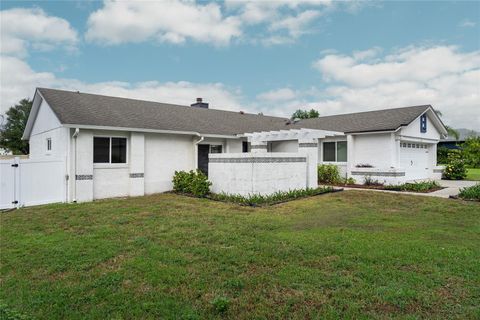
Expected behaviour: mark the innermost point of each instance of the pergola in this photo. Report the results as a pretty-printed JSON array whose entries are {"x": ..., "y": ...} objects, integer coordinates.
[{"x": 292, "y": 134}]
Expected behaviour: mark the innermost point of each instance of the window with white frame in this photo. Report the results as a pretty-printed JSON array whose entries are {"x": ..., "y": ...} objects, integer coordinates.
[
  {"x": 109, "y": 150},
  {"x": 214, "y": 148},
  {"x": 49, "y": 144},
  {"x": 335, "y": 151}
]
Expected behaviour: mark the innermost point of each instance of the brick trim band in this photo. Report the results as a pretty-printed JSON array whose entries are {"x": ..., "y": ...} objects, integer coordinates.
[
  {"x": 258, "y": 160},
  {"x": 136, "y": 175},
  {"x": 308, "y": 145},
  {"x": 84, "y": 177},
  {"x": 379, "y": 174}
]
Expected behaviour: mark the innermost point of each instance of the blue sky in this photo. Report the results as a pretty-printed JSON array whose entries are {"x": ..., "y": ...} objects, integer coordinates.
[{"x": 271, "y": 57}]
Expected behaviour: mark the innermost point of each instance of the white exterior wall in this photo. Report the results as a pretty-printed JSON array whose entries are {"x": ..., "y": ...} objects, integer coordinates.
[
  {"x": 233, "y": 146},
  {"x": 46, "y": 126},
  {"x": 165, "y": 154},
  {"x": 257, "y": 173},
  {"x": 413, "y": 130},
  {"x": 374, "y": 149}
]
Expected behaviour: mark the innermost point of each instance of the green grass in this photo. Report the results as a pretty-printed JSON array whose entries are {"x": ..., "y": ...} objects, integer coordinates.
[
  {"x": 351, "y": 254},
  {"x": 473, "y": 174}
]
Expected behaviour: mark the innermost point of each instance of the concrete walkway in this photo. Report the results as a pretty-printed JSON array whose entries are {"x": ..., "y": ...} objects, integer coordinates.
[{"x": 452, "y": 188}]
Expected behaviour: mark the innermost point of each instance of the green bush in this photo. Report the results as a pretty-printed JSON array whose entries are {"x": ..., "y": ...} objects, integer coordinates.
[
  {"x": 415, "y": 187},
  {"x": 471, "y": 152},
  {"x": 192, "y": 182},
  {"x": 455, "y": 168},
  {"x": 277, "y": 197},
  {"x": 442, "y": 155},
  {"x": 470, "y": 193},
  {"x": 328, "y": 173},
  {"x": 349, "y": 181}
]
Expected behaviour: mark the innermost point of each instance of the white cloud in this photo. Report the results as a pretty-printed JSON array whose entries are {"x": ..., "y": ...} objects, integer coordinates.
[
  {"x": 281, "y": 94},
  {"x": 164, "y": 21},
  {"x": 442, "y": 76},
  {"x": 24, "y": 28},
  {"x": 217, "y": 23},
  {"x": 467, "y": 24},
  {"x": 19, "y": 81},
  {"x": 295, "y": 25}
]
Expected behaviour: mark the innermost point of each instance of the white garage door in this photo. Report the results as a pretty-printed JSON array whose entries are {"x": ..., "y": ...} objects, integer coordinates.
[{"x": 414, "y": 158}]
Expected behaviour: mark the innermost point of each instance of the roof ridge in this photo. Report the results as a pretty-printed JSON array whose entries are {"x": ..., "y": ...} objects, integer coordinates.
[{"x": 370, "y": 111}]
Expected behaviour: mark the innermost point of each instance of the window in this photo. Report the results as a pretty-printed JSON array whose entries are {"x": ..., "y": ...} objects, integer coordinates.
[
  {"x": 49, "y": 144},
  {"x": 215, "y": 148},
  {"x": 109, "y": 150},
  {"x": 342, "y": 151},
  {"x": 335, "y": 151},
  {"x": 119, "y": 150},
  {"x": 329, "y": 151}
]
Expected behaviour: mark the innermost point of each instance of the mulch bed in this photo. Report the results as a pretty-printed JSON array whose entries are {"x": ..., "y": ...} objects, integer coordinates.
[{"x": 377, "y": 187}]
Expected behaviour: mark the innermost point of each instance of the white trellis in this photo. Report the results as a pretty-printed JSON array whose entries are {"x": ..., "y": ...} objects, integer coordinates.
[{"x": 292, "y": 134}]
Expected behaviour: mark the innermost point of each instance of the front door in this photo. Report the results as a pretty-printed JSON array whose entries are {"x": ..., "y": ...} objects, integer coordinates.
[{"x": 202, "y": 163}]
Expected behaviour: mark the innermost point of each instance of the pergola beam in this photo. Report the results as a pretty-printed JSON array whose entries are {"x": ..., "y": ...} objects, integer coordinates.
[{"x": 293, "y": 134}]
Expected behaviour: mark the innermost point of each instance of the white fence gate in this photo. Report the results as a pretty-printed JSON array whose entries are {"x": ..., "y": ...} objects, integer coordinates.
[{"x": 27, "y": 182}]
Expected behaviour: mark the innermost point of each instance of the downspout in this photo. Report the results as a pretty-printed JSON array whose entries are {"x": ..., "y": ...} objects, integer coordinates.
[
  {"x": 74, "y": 136},
  {"x": 196, "y": 149}
]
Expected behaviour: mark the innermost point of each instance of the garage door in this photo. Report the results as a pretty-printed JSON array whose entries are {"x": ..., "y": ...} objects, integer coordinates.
[{"x": 414, "y": 158}]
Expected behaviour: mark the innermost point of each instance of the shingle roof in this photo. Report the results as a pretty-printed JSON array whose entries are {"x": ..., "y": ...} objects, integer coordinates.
[
  {"x": 97, "y": 110},
  {"x": 76, "y": 108},
  {"x": 380, "y": 120}
]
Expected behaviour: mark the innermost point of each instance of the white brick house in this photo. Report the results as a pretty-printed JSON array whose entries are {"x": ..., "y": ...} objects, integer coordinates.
[{"x": 122, "y": 147}]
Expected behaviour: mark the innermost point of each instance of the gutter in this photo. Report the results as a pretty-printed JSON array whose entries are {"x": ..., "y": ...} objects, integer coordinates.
[
  {"x": 195, "y": 147},
  {"x": 74, "y": 136},
  {"x": 192, "y": 133}
]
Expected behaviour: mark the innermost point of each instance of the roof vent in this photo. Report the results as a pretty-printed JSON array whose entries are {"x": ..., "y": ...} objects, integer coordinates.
[{"x": 200, "y": 104}]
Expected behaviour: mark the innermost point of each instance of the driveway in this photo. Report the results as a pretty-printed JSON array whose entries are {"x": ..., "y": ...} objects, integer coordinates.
[{"x": 452, "y": 187}]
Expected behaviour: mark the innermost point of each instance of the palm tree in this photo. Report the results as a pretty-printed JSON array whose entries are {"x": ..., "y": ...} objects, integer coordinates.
[{"x": 451, "y": 132}]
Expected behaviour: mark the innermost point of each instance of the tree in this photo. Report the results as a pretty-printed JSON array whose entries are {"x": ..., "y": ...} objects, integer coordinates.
[
  {"x": 12, "y": 131},
  {"x": 471, "y": 151},
  {"x": 451, "y": 132},
  {"x": 305, "y": 114}
]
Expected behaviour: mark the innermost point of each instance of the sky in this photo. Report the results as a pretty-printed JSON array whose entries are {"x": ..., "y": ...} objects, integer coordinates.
[{"x": 271, "y": 56}]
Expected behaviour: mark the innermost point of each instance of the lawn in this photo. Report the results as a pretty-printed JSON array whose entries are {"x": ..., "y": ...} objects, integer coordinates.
[
  {"x": 473, "y": 174},
  {"x": 351, "y": 254}
]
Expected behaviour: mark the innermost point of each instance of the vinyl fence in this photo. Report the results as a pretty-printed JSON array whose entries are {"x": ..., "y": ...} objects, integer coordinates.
[{"x": 27, "y": 182}]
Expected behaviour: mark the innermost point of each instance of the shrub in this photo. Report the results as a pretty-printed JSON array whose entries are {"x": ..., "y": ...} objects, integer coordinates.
[
  {"x": 277, "y": 197},
  {"x": 192, "y": 182},
  {"x": 455, "y": 168},
  {"x": 328, "y": 173},
  {"x": 368, "y": 181},
  {"x": 442, "y": 155},
  {"x": 415, "y": 187},
  {"x": 350, "y": 181},
  {"x": 470, "y": 193}
]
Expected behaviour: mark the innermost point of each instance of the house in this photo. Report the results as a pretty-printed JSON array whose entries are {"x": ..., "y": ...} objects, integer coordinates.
[
  {"x": 123, "y": 147},
  {"x": 450, "y": 142}
]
